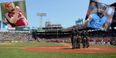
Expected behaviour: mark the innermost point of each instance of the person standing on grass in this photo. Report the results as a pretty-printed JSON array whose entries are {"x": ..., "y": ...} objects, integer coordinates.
[
  {"x": 85, "y": 41},
  {"x": 75, "y": 39}
]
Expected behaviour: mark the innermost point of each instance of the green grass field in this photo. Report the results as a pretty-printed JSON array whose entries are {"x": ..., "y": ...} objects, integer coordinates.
[{"x": 6, "y": 52}]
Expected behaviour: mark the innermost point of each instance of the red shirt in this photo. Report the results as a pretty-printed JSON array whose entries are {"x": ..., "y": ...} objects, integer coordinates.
[{"x": 21, "y": 21}]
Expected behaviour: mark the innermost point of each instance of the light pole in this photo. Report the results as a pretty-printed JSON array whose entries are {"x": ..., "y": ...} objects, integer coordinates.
[{"x": 41, "y": 19}]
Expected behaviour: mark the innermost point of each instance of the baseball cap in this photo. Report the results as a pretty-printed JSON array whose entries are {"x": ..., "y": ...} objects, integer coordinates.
[{"x": 102, "y": 6}]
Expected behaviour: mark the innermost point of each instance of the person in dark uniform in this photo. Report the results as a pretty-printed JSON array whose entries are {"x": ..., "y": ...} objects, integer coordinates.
[
  {"x": 78, "y": 40},
  {"x": 34, "y": 35},
  {"x": 75, "y": 39},
  {"x": 85, "y": 41}
]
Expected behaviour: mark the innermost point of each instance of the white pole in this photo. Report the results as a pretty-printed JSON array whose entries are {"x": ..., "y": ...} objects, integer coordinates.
[{"x": 41, "y": 19}]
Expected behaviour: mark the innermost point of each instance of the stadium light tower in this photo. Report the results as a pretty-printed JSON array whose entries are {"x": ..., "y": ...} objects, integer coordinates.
[{"x": 41, "y": 19}]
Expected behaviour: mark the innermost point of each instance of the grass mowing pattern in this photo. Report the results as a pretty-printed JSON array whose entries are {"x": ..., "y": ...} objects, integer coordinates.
[
  {"x": 30, "y": 44},
  {"x": 20, "y": 53}
]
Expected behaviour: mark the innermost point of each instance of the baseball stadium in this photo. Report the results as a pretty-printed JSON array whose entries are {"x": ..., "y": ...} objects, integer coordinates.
[{"x": 22, "y": 36}]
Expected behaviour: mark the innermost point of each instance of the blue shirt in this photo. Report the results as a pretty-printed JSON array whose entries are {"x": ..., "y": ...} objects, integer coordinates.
[{"x": 97, "y": 22}]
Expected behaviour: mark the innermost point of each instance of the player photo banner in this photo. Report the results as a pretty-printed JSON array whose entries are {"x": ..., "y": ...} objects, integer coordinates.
[
  {"x": 14, "y": 14},
  {"x": 99, "y": 15}
]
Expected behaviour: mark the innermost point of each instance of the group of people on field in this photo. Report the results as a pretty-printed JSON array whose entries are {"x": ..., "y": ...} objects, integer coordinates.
[{"x": 78, "y": 37}]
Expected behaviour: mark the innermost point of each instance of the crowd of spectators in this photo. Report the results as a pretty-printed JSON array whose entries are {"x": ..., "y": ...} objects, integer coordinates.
[
  {"x": 26, "y": 36},
  {"x": 15, "y": 36},
  {"x": 100, "y": 40}
]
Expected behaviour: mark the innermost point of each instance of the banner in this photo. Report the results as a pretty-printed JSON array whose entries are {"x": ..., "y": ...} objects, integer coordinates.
[
  {"x": 99, "y": 15},
  {"x": 14, "y": 14}
]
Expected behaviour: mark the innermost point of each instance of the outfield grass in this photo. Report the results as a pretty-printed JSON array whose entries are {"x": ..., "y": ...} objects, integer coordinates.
[
  {"x": 29, "y": 44},
  {"x": 21, "y": 53}
]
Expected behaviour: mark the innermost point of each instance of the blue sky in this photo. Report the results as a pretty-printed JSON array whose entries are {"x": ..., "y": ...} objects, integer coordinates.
[{"x": 64, "y": 12}]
